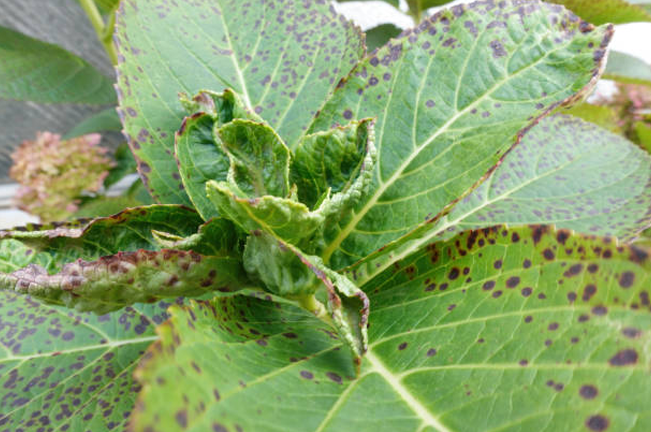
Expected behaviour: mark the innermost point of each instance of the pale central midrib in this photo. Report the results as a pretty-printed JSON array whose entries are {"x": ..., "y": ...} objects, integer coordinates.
[
  {"x": 105, "y": 346},
  {"x": 398, "y": 173},
  {"x": 418, "y": 408}
]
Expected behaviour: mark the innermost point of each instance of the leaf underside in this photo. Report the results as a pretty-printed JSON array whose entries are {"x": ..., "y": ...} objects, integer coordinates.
[
  {"x": 282, "y": 60},
  {"x": 548, "y": 329},
  {"x": 438, "y": 133}
]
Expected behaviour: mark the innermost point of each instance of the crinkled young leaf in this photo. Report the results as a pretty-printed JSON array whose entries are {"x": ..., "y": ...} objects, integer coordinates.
[
  {"x": 200, "y": 159},
  {"x": 290, "y": 220},
  {"x": 608, "y": 11},
  {"x": 331, "y": 161},
  {"x": 198, "y": 151},
  {"x": 290, "y": 273},
  {"x": 438, "y": 132},
  {"x": 565, "y": 172},
  {"x": 113, "y": 282},
  {"x": 627, "y": 68},
  {"x": 282, "y": 57},
  {"x": 547, "y": 329},
  {"x": 259, "y": 159},
  {"x": 32, "y": 70},
  {"x": 224, "y": 107},
  {"x": 216, "y": 237}
]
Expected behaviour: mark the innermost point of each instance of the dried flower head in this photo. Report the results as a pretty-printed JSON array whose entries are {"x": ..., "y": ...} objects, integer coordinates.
[{"x": 53, "y": 174}]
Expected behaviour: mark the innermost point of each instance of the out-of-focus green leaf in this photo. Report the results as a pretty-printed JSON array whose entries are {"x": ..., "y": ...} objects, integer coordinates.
[
  {"x": 548, "y": 329},
  {"x": 607, "y": 11},
  {"x": 32, "y": 70},
  {"x": 627, "y": 68},
  {"x": 125, "y": 164},
  {"x": 380, "y": 35},
  {"x": 104, "y": 121},
  {"x": 600, "y": 115},
  {"x": 105, "y": 206},
  {"x": 643, "y": 132}
]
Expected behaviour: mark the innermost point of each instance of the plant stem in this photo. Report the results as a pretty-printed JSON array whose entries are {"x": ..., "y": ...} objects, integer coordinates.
[
  {"x": 104, "y": 32},
  {"x": 415, "y": 10}
]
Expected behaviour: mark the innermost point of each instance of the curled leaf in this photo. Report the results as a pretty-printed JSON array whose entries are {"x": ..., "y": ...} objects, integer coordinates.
[
  {"x": 290, "y": 220},
  {"x": 113, "y": 282}
]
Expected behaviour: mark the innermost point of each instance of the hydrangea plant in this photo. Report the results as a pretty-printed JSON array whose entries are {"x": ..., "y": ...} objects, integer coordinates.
[{"x": 395, "y": 240}]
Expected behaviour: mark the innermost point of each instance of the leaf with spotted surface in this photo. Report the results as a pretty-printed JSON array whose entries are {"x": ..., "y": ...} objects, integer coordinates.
[
  {"x": 63, "y": 369},
  {"x": 89, "y": 239},
  {"x": 516, "y": 329},
  {"x": 282, "y": 57},
  {"x": 108, "y": 263},
  {"x": 438, "y": 133},
  {"x": 565, "y": 172}
]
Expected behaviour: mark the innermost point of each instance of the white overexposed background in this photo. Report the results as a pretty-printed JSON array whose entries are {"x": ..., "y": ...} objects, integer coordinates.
[{"x": 633, "y": 39}]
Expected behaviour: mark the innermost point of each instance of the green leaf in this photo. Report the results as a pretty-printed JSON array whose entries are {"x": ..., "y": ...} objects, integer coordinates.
[
  {"x": 115, "y": 281},
  {"x": 607, "y": 11},
  {"x": 125, "y": 164},
  {"x": 36, "y": 71},
  {"x": 112, "y": 262},
  {"x": 627, "y": 68},
  {"x": 438, "y": 133},
  {"x": 601, "y": 115},
  {"x": 104, "y": 206},
  {"x": 643, "y": 132},
  {"x": 215, "y": 237},
  {"x": 103, "y": 121},
  {"x": 380, "y": 35},
  {"x": 87, "y": 239},
  {"x": 548, "y": 329},
  {"x": 50, "y": 353},
  {"x": 565, "y": 172},
  {"x": 70, "y": 371},
  {"x": 285, "y": 83},
  {"x": 259, "y": 159},
  {"x": 290, "y": 220},
  {"x": 332, "y": 161},
  {"x": 200, "y": 159},
  {"x": 286, "y": 271}
]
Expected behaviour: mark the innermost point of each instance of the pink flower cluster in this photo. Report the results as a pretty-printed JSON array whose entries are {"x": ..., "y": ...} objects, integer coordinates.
[{"x": 54, "y": 174}]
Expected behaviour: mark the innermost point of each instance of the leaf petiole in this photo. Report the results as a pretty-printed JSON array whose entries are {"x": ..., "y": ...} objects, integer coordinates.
[{"x": 104, "y": 31}]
